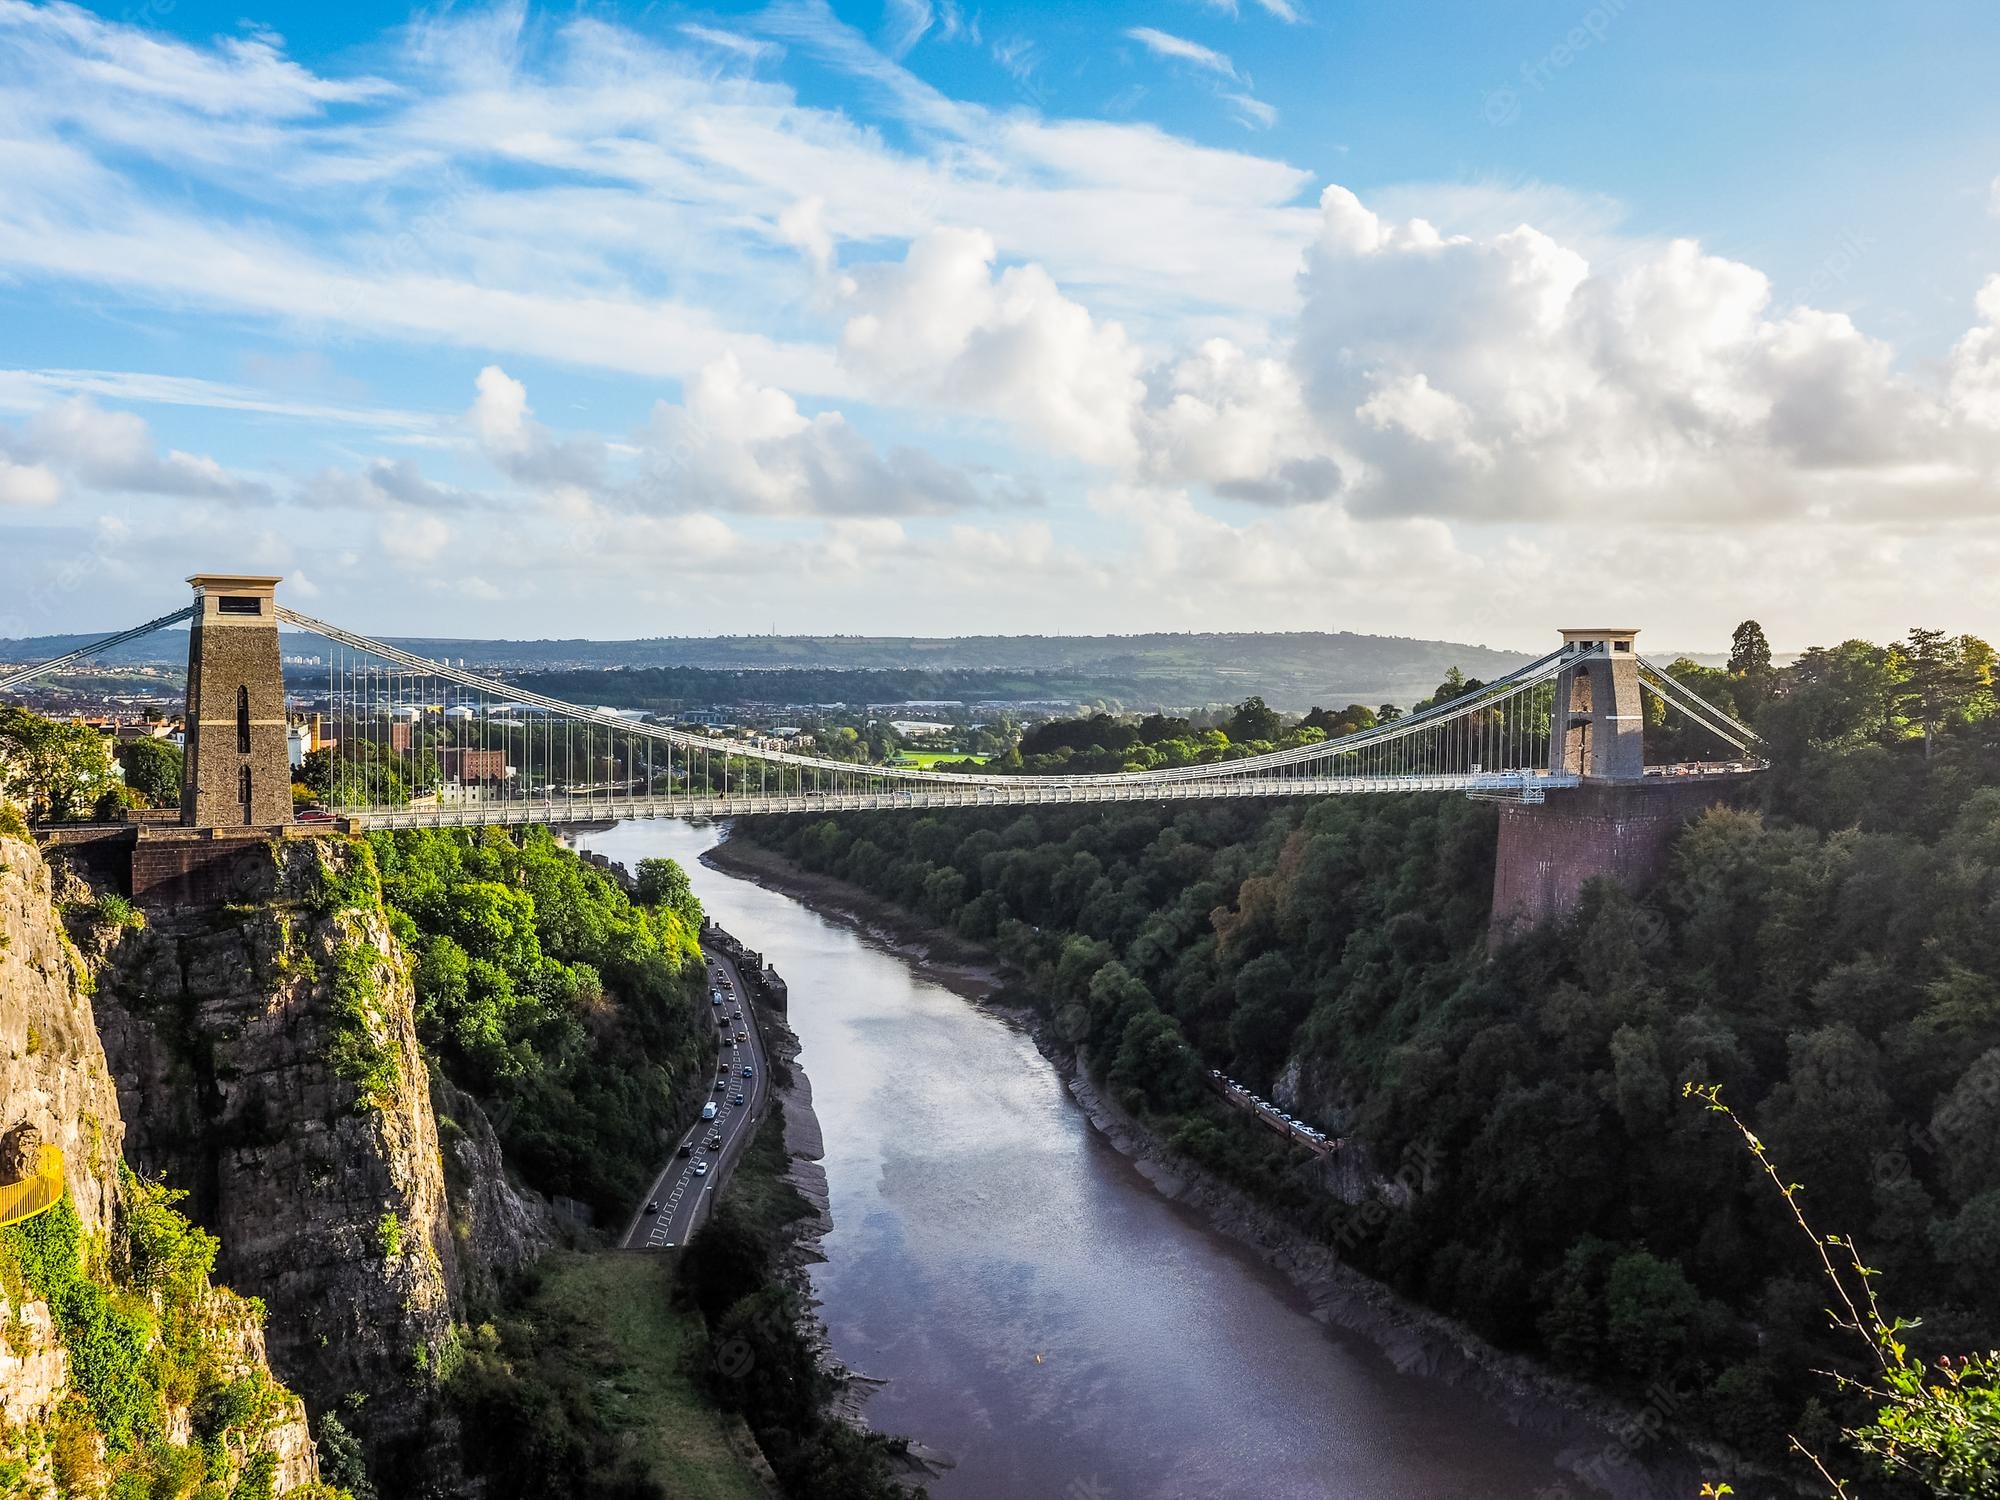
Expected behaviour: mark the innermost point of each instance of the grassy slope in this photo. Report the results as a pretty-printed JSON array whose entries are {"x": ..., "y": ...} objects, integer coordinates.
[{"x": 610, "y": 1319}]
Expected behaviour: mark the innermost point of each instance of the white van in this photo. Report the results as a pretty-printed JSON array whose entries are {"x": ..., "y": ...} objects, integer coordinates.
[{"x": 708, "y": 1111}]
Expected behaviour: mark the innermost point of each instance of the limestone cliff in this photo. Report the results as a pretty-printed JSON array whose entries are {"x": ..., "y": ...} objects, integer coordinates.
[
  {"x": 497, "y": 1225},
  {"x": 189, "y": 1361},
  {"x": 53, "y": 1079},
  {"x": 266, "y": 1057}
]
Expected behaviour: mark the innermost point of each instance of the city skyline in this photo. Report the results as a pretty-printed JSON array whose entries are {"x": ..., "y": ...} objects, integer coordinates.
[{"x": 911, "y": 319}]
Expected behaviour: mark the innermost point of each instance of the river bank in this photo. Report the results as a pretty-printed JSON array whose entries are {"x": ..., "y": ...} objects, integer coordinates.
[{"x": 1600, "y": 1440}]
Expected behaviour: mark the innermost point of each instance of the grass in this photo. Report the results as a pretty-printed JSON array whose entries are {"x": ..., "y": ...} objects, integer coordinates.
[
  {"x": 610, "y": 1318},
  {"x": 923, "y": 760}
]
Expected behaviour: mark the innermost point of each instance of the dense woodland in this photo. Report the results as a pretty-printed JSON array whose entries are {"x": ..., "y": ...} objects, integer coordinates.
[
  {"x": 1824, "y": 950},
  {"x": 570, "y": 1010}
]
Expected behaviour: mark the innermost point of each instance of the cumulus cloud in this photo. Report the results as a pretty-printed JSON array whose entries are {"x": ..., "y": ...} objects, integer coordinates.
[
  {"x": 732, "y": 443},
  {"x": 412, "y": 538},
  {"x": 940, "y": 326},
  {"x": 506, "y": 430},
  {"x": 113, "y": 451},
  {"x": 1505, "y": 376},
  {"x": 748, "y": 447},
  {"x": 28, "y": 484}
]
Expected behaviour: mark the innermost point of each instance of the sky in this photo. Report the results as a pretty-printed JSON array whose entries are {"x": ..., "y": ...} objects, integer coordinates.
[{"x": 1453, "y": 320}]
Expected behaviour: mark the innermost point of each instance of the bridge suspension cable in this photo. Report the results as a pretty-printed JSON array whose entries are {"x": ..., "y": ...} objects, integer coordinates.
[
  {"x": 11, "y": 680},
  {"x": 424, "y": 741},
  {"x": 1676, "y": 694}
]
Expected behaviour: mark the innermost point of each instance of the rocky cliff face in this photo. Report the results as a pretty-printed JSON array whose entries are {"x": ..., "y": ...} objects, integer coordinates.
[
  {"x": 56, "y": 1089},
  {"x": 54, "y": 1086},
  {"x": 496, "y": 1225},
  {"x": 266, "y": 1058}
]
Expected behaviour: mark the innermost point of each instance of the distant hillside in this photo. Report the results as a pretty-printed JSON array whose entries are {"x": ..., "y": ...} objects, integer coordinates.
[{"x": 1293, "y": 671}]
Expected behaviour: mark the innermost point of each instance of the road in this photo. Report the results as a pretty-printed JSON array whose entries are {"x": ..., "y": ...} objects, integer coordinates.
[{"x": 684, "y": 1196}]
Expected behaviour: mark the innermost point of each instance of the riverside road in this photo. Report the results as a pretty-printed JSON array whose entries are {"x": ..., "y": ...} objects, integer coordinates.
[{"x": 682, "y": 1193}]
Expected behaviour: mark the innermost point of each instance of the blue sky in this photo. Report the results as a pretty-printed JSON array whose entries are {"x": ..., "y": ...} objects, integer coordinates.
[{"x": 1453, "y": 320}]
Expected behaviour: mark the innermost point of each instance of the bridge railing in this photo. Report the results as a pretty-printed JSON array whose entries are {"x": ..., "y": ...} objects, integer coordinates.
[{"x": 21, "y": 1201}]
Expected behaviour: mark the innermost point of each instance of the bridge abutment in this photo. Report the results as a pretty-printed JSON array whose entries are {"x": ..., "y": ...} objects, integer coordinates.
[{"x": 1601, "y": 830}]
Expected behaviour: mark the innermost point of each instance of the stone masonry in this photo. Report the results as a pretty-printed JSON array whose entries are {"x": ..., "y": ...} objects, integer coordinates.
[{"x": 238, "y": 773}]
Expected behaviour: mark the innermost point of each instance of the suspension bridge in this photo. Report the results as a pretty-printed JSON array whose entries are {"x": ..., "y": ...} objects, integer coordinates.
[{"x": 414, "y": 742}]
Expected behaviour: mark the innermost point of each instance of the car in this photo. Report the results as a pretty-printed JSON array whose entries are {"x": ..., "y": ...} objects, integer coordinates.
[
  {"x": 742, "y": 1036},
  {"x": 735, "y": 1098},
  {"x": 715, "y": 1143},
  {"x": 687, "y": 1148},
  {"x": 749, "y": 1073},
  {"x": 652, "y": 1208},
  {"x": 312, "y": 815},
  {"x": 701, "y": 1169}
]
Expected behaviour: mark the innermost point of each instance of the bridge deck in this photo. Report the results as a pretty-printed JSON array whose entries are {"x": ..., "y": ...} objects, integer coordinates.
[{"x": 1526, "y": 786}]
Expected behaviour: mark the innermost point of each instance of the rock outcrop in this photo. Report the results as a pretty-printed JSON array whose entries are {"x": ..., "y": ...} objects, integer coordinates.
[
  {"x": 56, "y": 1089},
  {"x": 54, "y": 1085},
  {"x": 266, "y": 1058},
  {"x": 497, "y": 1225}
]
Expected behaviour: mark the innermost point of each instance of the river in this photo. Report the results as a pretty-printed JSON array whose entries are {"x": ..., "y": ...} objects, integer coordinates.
[{"x": 1039, "y": 1311}]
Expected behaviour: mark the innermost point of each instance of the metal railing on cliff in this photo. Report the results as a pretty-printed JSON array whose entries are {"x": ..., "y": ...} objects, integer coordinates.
[{"x": 20, "y": 1201}]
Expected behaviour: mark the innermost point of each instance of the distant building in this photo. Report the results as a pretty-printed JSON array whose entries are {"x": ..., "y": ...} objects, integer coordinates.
[
  {"x": 919, "y": 729},
  {"x": 469, "y": 766}
]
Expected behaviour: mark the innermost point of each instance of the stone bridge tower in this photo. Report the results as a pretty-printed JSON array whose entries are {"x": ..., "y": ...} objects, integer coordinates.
[
  {"x": 1619, "y": 823},
  {"x": 237, "y": 772}
]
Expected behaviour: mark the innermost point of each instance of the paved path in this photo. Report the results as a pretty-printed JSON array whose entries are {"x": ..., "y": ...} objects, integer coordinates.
[{"x": 684, "y": 1196}]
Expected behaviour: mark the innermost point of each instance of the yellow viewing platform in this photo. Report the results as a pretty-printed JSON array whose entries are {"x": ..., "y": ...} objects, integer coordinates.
[{"x": 28, "y": 1197}]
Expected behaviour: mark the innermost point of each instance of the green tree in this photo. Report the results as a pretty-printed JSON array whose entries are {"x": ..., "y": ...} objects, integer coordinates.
[
  {"x": 662, "y": 882},
  {"x": 1937, "y": 1424},
  {"x": 1945, "y": 676},
  {"x": 59, "y": 770},
  {"x": 1253, "y": 721},
  {"x": 153, "y": 769}
]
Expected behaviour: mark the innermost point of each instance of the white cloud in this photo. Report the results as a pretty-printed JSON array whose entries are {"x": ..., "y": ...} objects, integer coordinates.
[
  {"x": 1180, "y": 49},
  {"x": 28, "y": 484},
  {"x": 745, "y": 446},
  {"x": 1253, "y": 111},
  {"x": 499, "y": 413},
  {"x": 1505, "y": 375},
  {"x": 114, "y": 451},
  {"x": 940, "y": 327},
  {"x": 904, "y": 25},
  {"x": 733, "y": 42},
  {"x": 1975, "y": 363},
  {"x": 412, "y": 538},
  {"x": 804, "y": 224}
]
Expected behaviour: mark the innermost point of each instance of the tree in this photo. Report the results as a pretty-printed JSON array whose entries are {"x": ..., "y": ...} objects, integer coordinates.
[
  {"x": 153, "y": 769},
  {"x": 59, "y": 770},
  {"x": 664, "y": 883},
  {"x": 1750, "y": 662},
  {"x": 1253, "y": 721},
  {"x": 1939, "y": 1427},
  {"x": 1944, "y": 674}
]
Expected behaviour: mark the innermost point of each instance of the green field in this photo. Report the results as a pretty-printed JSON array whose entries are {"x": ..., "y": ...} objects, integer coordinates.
[
  {"x": 608, "y": 1325},
  {"x": 923, "y": 760}
]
